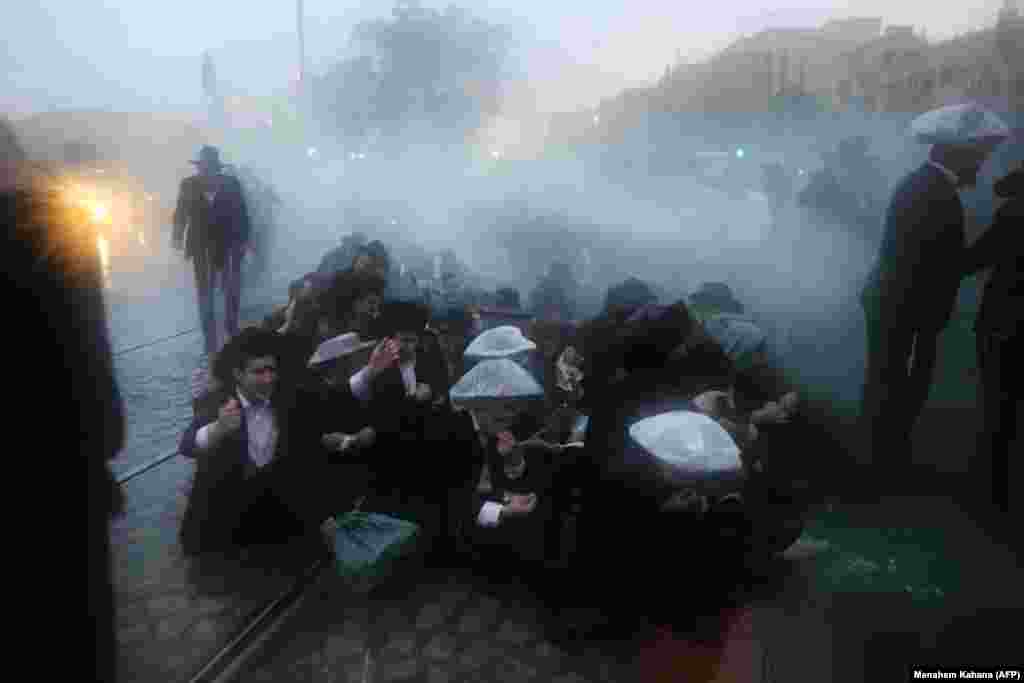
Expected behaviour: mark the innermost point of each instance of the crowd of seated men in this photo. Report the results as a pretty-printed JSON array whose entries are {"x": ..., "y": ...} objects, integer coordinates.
[{"x": 341, "y": 399}]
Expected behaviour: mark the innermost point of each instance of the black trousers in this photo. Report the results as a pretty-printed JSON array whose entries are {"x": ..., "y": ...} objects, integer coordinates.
[
  {"x": 1002, "y": 399},
  {"x": 899, "y": 374},
  {"x": 284, "y": 500},
  {"x": 229, "y": 277}
]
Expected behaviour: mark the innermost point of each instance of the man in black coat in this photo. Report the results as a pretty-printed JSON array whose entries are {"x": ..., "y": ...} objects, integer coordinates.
[
  {"x": 262, "y": 463},
  {"x": 1000, "y": 330},
  {"x": 415, "y": 462},
  {"x": 211, "y": 223},
  {"x": 515, "y": 508},
  {"x": 910, "y": 295}
]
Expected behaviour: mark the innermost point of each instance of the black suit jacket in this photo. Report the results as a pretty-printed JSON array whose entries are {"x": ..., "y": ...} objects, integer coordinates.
[
  {"x": 542, "y": 476},
  {"x": 1001, "y": 248},
  {"x": 296, "y": 472},
  {"x": 211, "y": 229},
  {"x": 920, "y": 265}
]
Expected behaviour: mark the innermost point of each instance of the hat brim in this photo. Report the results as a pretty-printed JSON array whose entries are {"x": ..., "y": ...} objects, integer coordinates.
[
  {"x": 946, "y": 141},
  {"x": 493, "y": 402},
  {"x": 316, "y": 359}
]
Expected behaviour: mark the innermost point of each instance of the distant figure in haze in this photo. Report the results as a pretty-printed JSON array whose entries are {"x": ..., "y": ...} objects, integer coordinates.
[
  {"x": 1000, "y": 331},
  {"x": 54, "y": 287},
  {"x": 778, "y": 185},
  {"x": 910, "y": 295},
  {"x": 211, "y": 223},
  {"x": 262, "y": 202},
  {"x": 554, "y": 297},
  {"x": 849, "y": 189}
]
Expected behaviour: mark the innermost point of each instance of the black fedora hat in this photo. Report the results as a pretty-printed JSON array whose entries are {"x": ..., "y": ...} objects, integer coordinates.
[
  {"x": 718, "y": 295},
  {"x": 208, "y": 156},
  {"x": 401, "y": 316}
]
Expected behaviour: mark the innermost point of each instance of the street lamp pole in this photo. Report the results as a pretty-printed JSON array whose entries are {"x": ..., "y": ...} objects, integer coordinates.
[{"x": 299, "y": 17}]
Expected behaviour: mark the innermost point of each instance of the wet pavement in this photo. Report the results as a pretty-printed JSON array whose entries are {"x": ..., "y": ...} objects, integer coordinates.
[
  {"x": 801, "y": 621},
  {"x": 175, "y": 613},
  {"x": 453, "y": 628}
]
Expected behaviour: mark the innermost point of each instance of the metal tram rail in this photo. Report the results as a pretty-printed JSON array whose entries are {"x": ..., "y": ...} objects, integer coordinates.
[{"x": 226, "y": 663}]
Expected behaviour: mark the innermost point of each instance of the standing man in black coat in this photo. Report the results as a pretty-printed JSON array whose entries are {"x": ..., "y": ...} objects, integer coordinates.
[
  {"x": 211, "y": 206},
  {"x": 1000, "y": 331},
  {"x": 910, "y": 295}
]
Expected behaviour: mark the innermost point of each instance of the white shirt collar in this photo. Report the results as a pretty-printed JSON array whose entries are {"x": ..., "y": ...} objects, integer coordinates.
[
  {"x": 950, "y": 176},
  {"x": 247, "y": 404}
]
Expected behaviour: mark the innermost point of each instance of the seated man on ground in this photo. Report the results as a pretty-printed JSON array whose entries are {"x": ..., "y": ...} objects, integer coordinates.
[
  {"x": 353, "y": 302},
  {"x": 415, "y": 467},
  {"x": 261, "y": 475},
  {"x": 744, "y": 341},
  {"x": 301, "y": 290},
  {"x": 336, "y": 364},
  {"x": 515, "y": 503},
  {"x": 665, "y": 362}
]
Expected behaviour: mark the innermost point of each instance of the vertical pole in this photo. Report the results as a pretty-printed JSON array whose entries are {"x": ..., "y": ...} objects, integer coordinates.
[{"x": 299, "y": 16}]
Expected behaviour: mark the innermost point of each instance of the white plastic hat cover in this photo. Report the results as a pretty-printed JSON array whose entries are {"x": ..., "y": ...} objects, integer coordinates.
[
  {"x": 499, "y": 342},
  {"x": 959, "y": 124},
  {"x": 496, "y": 380},
  {"x": 741, "y": 339},
  {"x": 692, "y": 448}
]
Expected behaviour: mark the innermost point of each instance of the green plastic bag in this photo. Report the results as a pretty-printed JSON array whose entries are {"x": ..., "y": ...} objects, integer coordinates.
[{"x": 367, "y": 545}]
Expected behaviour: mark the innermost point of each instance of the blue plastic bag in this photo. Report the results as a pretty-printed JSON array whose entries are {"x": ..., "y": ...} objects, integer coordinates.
[{"x": 367, "y": 545}]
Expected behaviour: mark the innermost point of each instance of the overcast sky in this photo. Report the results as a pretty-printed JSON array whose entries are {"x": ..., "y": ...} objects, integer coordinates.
[{"x": 142, "y": 54}]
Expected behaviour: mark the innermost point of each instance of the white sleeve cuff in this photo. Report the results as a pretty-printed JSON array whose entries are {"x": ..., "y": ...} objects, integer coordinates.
[
  {"x": 360, "y": 384},
  {"x": 489, "y": 515},
  {"x": 203, "y": 437}
]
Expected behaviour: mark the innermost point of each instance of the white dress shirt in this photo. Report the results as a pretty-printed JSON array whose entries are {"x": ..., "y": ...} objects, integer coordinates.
[
  {"x": 362, "y": 387},
  {"x": 360, "y": 384},
  {"x": 408, "y": 371},
  {"x": 490, "y": 514},
  {"x": 261, "y": 428}
]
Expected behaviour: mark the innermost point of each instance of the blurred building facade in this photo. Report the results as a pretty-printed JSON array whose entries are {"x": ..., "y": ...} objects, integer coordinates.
[{"x": 855, "y": 64}]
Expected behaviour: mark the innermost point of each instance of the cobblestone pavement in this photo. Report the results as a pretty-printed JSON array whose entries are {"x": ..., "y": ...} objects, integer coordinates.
[
  {"x": 788, "y": 629},
  {"x": 452, "y": 628},
  {"x": 175, "y": 613}
]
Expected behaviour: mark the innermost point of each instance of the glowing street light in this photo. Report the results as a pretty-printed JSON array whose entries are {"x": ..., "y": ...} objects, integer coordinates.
[
  {"x": 740, "y": 153},
  {"x": 312, "y": 153},
  {"x": 99, "y": 212}
]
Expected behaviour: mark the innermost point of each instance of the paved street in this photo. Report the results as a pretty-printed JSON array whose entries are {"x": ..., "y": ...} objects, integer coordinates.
[
  {"x": 805, "y": 623},
  {"x": 454, "y": 629},
  {"x": 173, "y": 613}
]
